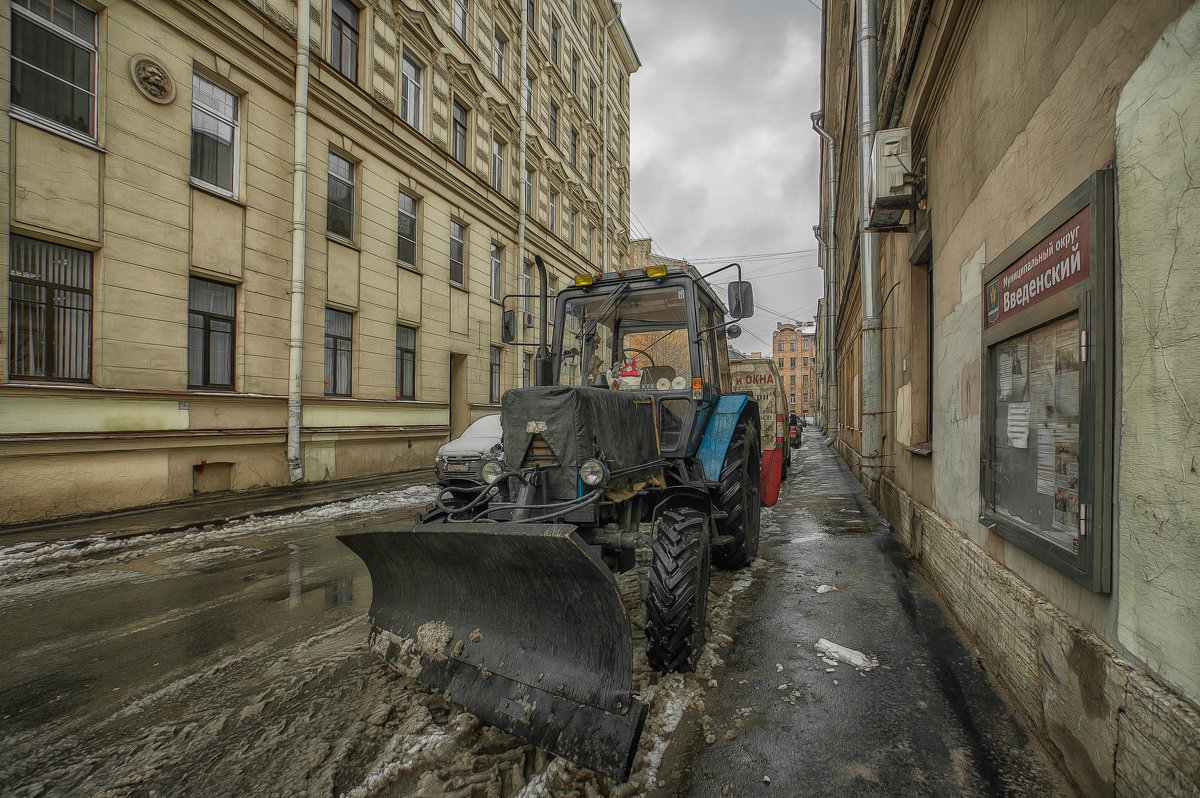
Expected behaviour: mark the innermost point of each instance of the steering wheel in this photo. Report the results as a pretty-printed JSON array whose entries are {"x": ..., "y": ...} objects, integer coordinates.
[{"x": 621, "y": 360}]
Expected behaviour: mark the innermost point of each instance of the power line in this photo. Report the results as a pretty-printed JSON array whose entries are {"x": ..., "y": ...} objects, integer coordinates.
[{"x": 753, "y": 256}]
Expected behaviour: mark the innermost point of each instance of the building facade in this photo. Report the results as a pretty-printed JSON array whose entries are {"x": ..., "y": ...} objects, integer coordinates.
[
  {"x": 1014, "y": 355},
  {"x": 795, "y": 347},
  {"x": 234, "y": 261}
]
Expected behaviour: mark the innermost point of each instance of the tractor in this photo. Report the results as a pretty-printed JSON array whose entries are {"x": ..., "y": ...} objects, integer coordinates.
[{"x": 629, "y": 447}]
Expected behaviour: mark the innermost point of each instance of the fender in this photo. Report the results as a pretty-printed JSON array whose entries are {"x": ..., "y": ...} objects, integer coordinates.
[
  {"x": 719, "y": 433},
  {"x": 686, "y": 496}
]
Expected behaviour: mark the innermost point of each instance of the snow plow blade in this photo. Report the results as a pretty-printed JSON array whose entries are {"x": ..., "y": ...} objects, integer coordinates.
[{"x": 522, "y": 624}]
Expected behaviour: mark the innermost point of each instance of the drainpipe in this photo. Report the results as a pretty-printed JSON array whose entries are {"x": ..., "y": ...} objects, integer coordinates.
[
  {"x": 299, "y": 198},
  {"x": 604, "y": 165},
  {"x": 830, "y": 253},
  {"x": 868, "y": 249},
  {"x": 524, "y": 133}
]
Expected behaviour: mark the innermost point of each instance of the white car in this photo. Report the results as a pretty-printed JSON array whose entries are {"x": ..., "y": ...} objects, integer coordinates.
[{"x": 461, "y": 459}]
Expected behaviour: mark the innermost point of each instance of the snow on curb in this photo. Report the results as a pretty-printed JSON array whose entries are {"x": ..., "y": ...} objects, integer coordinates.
[{"x": 842, "y": 654}]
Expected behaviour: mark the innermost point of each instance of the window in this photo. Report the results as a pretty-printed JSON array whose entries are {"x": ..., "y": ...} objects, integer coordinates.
[
  {"x": 621, "y": 203},
  {"x": 406, "y": 231},
  {"x": 574, "y": 220},
  {"x": 551, "y": 292},
  {"x": 781, "y": 348},
  {"x": 210, "y": 334},
  {"x": 338, "y": 352},
  {"x": 458, "y": 135},
  {"x": 591, "y": 166},
  {"x": 805, "y": 361},
  {"x": 591, "y": 98},
  {"x": 530, "y": 86},
  {"x": 343, "y": 47},
  {"x": 498, "y": 165},
  {"x": 805, "y": 396},
  {"x": 214, "y": 134},
  {"x": 793, "y": 363},
  {"x": 494, "y": 373},
  {"x": 526, "y": 369},
  {"x": 49, "y": 311},
  {"x": 575, "y": 74},
  {"x": 554, "y": 39},
  {"x": 54, "y": 62},
  {"x": 460, "y": 18},
  {"x": 526, "y": 286},
  {"x": 553, "y": 214},
  {"x": 528, "y": 191},
  {"x": 406, "y": 362},
  {"x": 591, "y": 241},
  {"x": 781, "y": 359},
  {"x": 497, "y": 272},
  {"x": 531, "y": 13},
  {"x": 458, "y": 241},
  {"x": 592, "y": 31},
  {"x": 498, "y": 46},
  {"x": 575, "y": 9},
  {"x": 574, "y": 145},
  {"x": 804, "y": 381},
  {"x": 410, "y": 92},
  {"x": 792, "y": 380},
  {"x": 553, "y": 123},
  {"x": 792, "y": 344},
  {"x": 339, "y": 215}
]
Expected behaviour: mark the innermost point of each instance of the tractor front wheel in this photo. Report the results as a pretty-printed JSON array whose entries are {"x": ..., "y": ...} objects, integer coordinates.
[
  {"x": 677, "y": 590},
  {"x": 738, "y": 497}
]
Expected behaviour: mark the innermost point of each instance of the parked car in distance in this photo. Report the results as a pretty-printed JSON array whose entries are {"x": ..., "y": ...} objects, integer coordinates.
[{"x": 461, "y": 459}]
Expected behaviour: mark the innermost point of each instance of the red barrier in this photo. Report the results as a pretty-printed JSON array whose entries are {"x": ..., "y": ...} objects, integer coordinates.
[{"x": 772, "y": 472}]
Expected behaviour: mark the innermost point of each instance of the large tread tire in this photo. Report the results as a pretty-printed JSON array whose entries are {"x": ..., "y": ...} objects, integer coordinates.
[
  {"x": 677, "y": 590},
  {"x": 738, "y": 496}
]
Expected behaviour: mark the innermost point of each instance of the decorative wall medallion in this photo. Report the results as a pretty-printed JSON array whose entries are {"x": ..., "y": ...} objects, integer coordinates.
[{"x": 152, "y": 79}]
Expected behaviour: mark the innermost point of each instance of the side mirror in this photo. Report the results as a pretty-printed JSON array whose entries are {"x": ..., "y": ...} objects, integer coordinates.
[
  {"x": 732, "y": 331},
  {"x": 741, "y": 299},
  {"x": 508, "y": 326}
]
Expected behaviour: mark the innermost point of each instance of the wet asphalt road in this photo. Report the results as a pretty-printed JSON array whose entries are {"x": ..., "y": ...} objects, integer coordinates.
[
  {"x": 927, "y": 721},
  {"x": 233, "y": 662}
]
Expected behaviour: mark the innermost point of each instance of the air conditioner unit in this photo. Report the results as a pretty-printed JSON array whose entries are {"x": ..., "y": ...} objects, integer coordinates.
[
  {"x": 529, "y": 320},
  {"x": 892, "y": 190}
]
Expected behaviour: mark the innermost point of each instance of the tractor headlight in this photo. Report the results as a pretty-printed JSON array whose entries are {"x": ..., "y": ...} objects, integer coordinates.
[
  {"x": 679, "y": 383},
  {"x": 491, "y": 471},
  {"x": 593, "y": 473},
  {"x": 663, "y": 384}
]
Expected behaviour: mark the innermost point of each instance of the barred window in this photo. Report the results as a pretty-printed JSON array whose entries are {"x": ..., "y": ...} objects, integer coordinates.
[
  {"x": 214, "y": 134},
  {"x": 50, "y": 311},
  {"x": 343, "y": 49},
  {"x": 406, "y": 231},
  {"x": 210, "y": 334},
  {"x": 338, "y": 352},
  {"x": 494, "y": 371},
  {"x": 54, "y": 62},
  {"x": 406, "y": 362}
]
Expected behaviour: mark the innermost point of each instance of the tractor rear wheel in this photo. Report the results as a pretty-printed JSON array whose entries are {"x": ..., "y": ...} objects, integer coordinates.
[
  {"x": 677, "y": 590},
  {"x": 738, "y": 496}
]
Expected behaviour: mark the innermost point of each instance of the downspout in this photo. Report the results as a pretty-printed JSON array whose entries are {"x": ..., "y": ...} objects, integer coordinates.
[
  {"x": 299, "y": 209},
  {"x": 604, "y": 165},
  {"x": 868, "y": 248},
  {"x": 828, "y": 243},
  {"x": 521, "y": 215}
]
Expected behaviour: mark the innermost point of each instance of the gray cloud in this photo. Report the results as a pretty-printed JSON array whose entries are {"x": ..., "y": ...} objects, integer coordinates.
[{"x": 724, "y": 161}]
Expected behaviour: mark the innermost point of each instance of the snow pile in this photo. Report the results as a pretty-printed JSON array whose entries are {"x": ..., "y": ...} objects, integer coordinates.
[
  {"x": 825, "y": 588},
  {"x": 832, "y": 651},
  {"x": 37, "y": 560}
]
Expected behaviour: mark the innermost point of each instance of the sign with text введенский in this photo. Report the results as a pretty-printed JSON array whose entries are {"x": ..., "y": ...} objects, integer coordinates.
[{"x": 1059, "y": 261}]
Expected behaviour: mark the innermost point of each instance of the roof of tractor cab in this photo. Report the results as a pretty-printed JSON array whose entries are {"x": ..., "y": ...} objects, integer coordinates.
[{"x": 608, "y": 280}]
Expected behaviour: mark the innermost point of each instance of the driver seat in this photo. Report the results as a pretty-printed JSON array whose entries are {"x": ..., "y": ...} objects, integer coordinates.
[{"x": 652, "y": 374}]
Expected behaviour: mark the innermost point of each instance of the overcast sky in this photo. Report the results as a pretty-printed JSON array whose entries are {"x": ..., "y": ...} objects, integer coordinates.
[{"x": 724, "y": 161}]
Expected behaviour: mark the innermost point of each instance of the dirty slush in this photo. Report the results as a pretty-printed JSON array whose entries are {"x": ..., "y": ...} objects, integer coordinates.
[{"x": 324, "y": 716}]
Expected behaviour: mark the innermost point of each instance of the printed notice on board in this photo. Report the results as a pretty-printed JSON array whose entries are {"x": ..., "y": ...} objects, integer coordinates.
[
  {"x": 1018, "y": 425},
  {"x": 1045, "y": 460}
]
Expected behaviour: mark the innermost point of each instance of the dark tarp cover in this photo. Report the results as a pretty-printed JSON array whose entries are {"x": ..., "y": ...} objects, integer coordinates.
[{"x": 580, "y": 423}]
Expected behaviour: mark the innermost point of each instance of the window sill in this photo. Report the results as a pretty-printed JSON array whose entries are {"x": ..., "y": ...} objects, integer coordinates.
[
  {"x": 41, "y": 123},
  {"x": 215, "y": 191},
  {"x": 460, "y": 287},
  {"x": 408, "y": 267},
  {"x": 924, "y": 449},
  {"x": 339, "y": 240}
]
